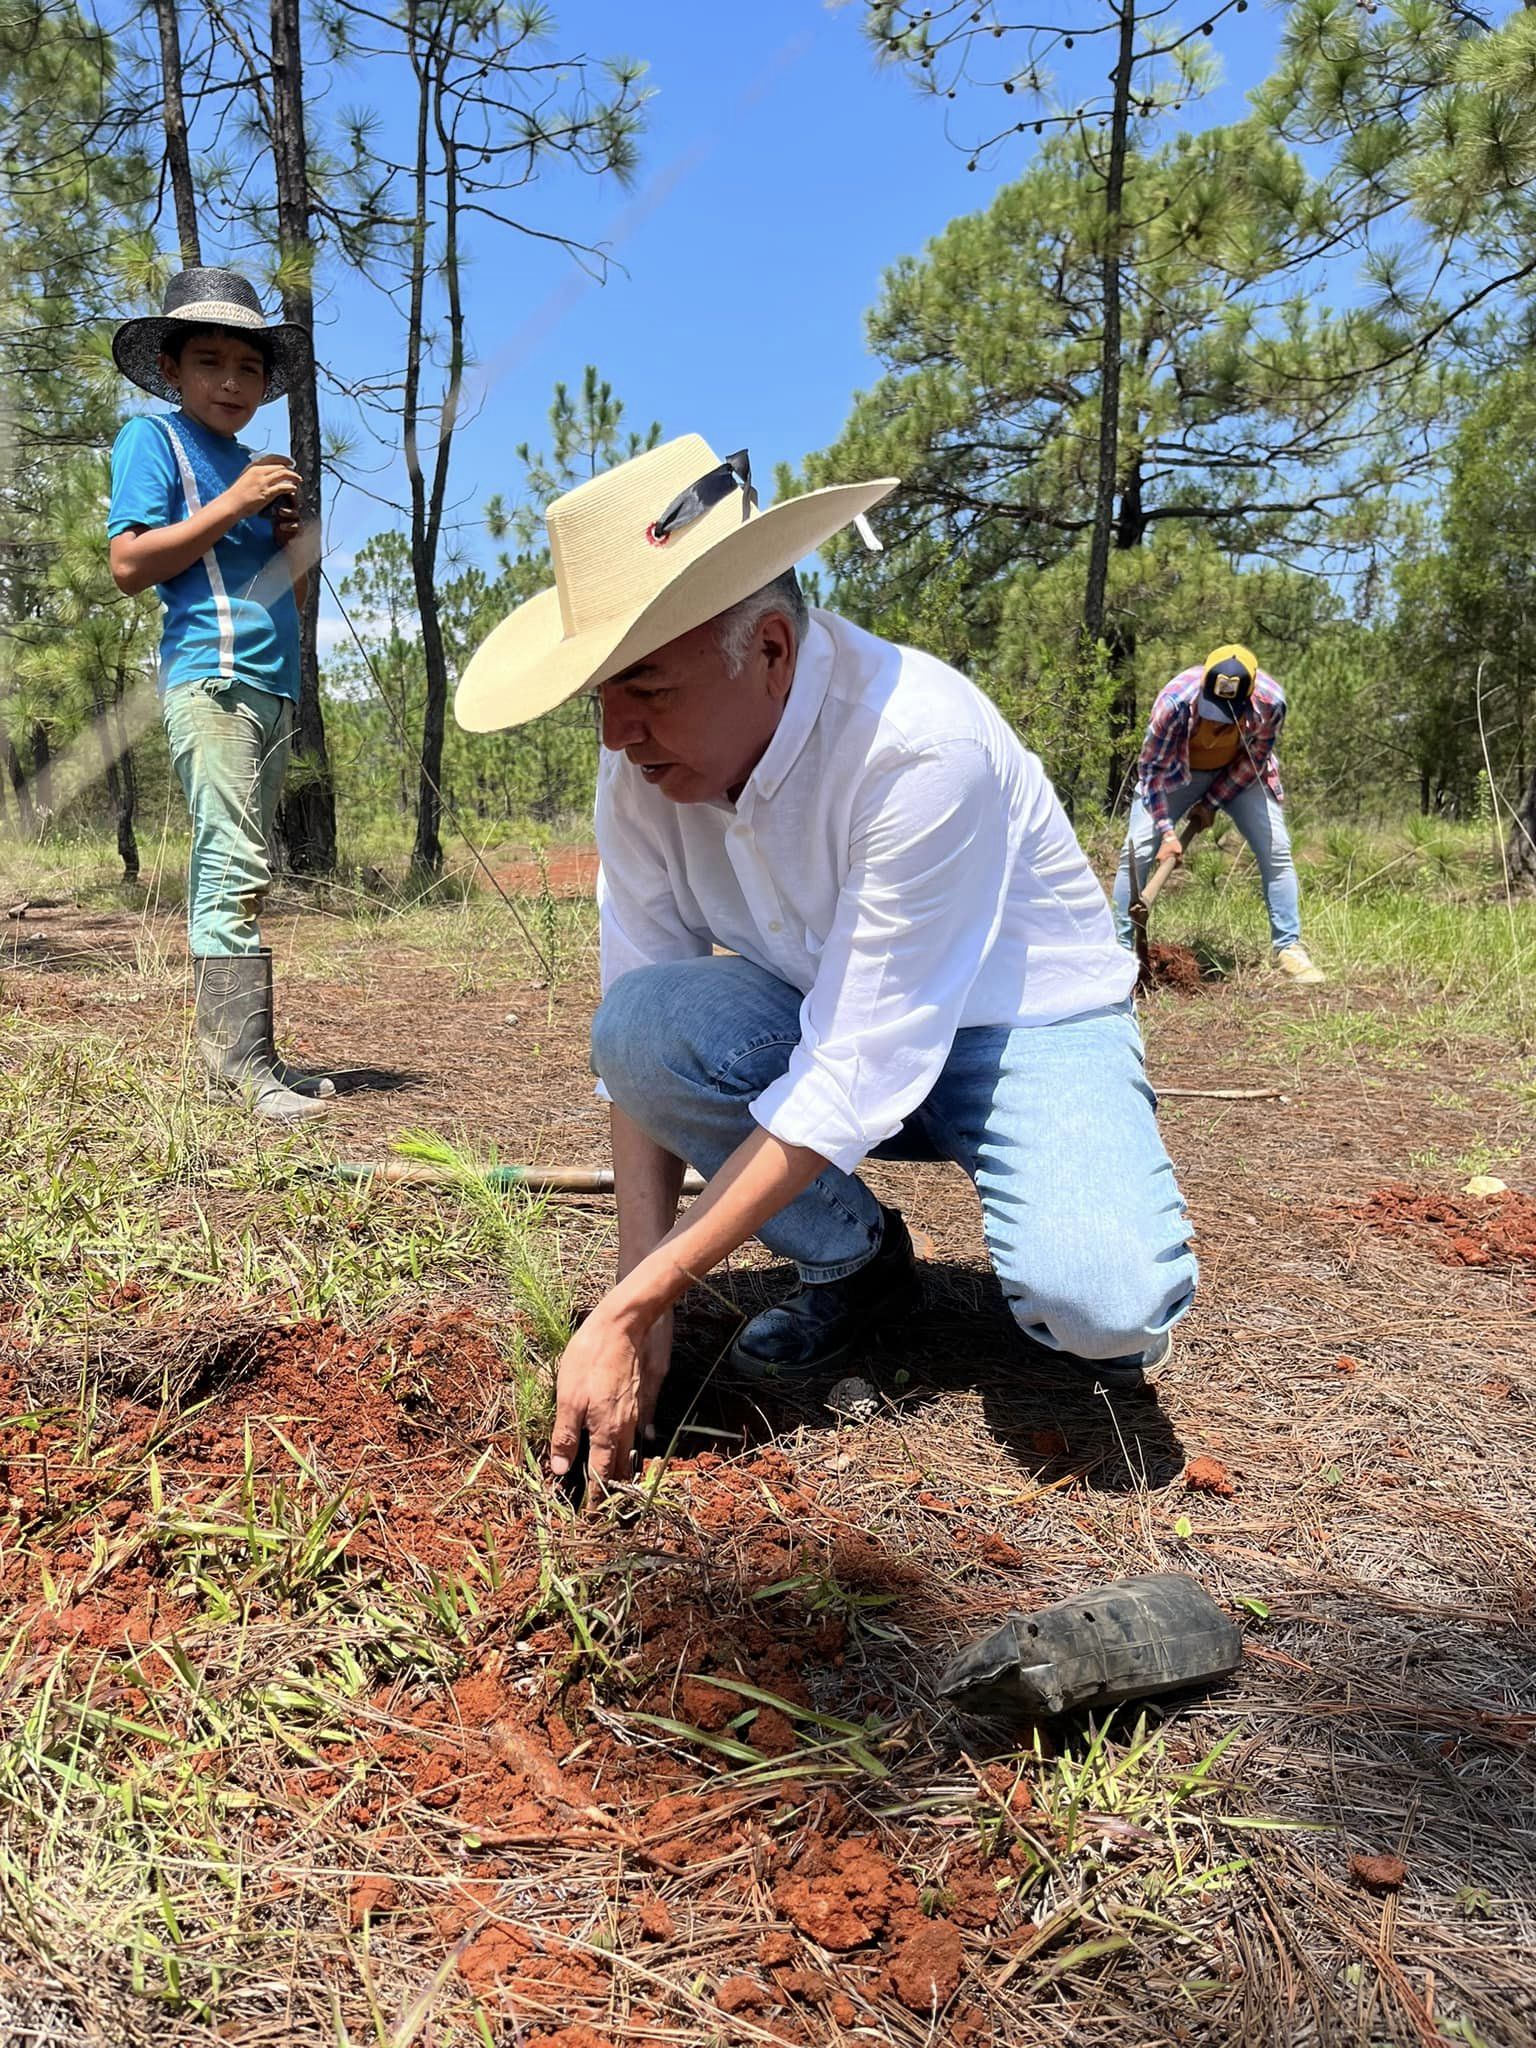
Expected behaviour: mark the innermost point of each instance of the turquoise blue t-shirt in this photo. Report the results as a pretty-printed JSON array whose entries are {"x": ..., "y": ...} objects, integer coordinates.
[{"x": 232, "y": 613}]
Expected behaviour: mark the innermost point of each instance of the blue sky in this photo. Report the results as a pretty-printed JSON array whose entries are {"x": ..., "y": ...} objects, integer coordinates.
[{"x": 782, "y": 171}]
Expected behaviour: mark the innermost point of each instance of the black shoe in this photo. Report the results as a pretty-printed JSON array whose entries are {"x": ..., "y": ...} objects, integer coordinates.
[
  {"x": 1114, "y": 1375},
  {"x": 819, "y": 1325}
]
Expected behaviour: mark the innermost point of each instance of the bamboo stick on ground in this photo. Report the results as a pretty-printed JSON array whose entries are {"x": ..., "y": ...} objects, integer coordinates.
[{"x": 534, "y": 1180}]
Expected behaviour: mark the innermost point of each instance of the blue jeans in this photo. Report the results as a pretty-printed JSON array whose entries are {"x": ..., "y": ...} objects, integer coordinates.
[
  {"x": 1262, "y": 823},
  {"x": 1054, "y": 1123},
  {"x": 229, "y": 746}
]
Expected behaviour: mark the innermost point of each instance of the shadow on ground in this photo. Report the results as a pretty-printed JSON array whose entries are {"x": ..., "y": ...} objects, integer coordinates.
[
  {"x": 963, "y": 1339},
  {"x": 375, "y": 1080}
]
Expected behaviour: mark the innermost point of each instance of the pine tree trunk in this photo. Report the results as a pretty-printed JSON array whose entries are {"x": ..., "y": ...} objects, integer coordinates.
[
  {"x": 1520, "y": 848},
  {"x": 307, "y": 816},
  {"x": 42, "y": 772},
  {"x": 120, "y": 776},
  {"x": 429, "y": 59},
  {"x": 1124, "y": 726},
  {"x": 1109, "y": 355},
  {"x": 178, "y": 160},
  {"x": 26, "y": 815},
  {"x": 128, "y": 803},
  {"x": 427, "y": 852}
]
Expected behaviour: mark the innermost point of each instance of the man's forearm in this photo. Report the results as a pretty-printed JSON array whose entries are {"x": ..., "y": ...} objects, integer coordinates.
[
  {"x": 647, "y": 1181},
  {"x": 1155, "y": 802},
  {"x": 759, "y": 1178}
]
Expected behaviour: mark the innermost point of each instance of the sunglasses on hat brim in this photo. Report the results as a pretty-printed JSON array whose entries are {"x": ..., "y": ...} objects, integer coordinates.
[{"x": 733, "y": 474}]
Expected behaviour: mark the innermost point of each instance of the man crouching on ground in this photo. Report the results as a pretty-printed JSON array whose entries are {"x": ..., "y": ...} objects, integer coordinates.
[{"x": 920, "y": 962}]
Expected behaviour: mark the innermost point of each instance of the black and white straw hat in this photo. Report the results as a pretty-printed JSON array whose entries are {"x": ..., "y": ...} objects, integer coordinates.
[{"x": 207, "y": 298}]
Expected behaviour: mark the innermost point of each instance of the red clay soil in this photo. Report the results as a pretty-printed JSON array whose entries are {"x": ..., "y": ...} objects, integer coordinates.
[
  {"x": 1209, "y": 1475},
  {"x": 564, "y": 871},
  {"x": 497, "y": 1755},
  {"x": 369, "y": 1412},
  {"x": 1497, "y": 1231},
  {"x": 1175, "y": 968}
]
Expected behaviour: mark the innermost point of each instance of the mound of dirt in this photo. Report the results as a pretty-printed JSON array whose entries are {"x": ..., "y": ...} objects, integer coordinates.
[
  {"x": 1175, "y": 968},
  {"x": 1497, "y": 1231},
  {"x": 375, "y": 1418}
]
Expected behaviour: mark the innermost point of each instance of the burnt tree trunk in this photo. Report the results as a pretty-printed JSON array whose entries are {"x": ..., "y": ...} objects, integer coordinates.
[
  {"x": 1520, "y": 847},
  {"x": 26, "y": 814},
  {"x": 306, "y": 821},
  {"x": 429, "y": 56},
  {"x": 1124, "y": 726},
  {"x": 42, "y": 773},
  {"x": 178, "y": 160},
  {"x": 119, "y": 773}
]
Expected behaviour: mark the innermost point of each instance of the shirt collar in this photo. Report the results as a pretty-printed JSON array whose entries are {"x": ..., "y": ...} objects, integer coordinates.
[
  {"x": 205, "y": 436},
  {"x": 814, "y": 660}
]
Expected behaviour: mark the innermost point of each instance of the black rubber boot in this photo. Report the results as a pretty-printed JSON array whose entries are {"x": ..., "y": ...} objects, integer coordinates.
[
  {"x": 819, "y": 1325},
  {"x": 234, "y": 1035},
  {"x": 291, "y": 1077}
]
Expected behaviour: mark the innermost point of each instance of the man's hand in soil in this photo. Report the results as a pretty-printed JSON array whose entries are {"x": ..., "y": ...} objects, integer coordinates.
[
  {"x": 609, "y": 1379},
  {"x": 614, "y": 1366}
]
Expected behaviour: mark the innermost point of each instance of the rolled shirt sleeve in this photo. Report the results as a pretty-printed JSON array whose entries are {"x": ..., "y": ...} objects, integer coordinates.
[{"x": 917, "y": 911}]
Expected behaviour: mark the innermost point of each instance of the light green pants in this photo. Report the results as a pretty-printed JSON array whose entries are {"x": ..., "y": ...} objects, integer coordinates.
[{"x": 229, "y": 747}]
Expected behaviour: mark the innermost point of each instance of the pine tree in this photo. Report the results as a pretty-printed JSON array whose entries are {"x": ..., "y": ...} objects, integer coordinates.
[
  {"x": 73, "y": 186},
  {"x": 1430, "y": 112},
  {"x": 493, "y": 106},
  {"x": 1245, "y": 423}
]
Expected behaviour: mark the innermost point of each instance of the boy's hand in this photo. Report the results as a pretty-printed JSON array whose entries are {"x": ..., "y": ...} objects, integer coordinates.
[
  {"x": 258, "y": 488},
  {"x": 285, "y": 522}
]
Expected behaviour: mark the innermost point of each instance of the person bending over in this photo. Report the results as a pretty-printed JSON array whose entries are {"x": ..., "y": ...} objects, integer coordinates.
[
  {"x": 919, "y": 961},
  {"x": 1213, "y": 744}
]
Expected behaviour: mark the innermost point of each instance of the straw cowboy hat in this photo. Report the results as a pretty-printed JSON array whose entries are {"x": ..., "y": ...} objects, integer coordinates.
[
  {"x": 641, "y": 554},
  {"x": 208, "y": 297}
]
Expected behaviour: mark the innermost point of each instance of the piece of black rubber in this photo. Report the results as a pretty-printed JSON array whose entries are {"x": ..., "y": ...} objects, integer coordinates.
[{"x": 1133, "y": 1640}]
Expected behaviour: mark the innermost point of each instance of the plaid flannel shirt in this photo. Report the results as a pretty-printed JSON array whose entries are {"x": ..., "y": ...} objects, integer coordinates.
[{"x": 1165, "y": 751}]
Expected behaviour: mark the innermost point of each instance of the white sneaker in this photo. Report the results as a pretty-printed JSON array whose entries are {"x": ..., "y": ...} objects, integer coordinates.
[{"x": 1296, "y": 963}]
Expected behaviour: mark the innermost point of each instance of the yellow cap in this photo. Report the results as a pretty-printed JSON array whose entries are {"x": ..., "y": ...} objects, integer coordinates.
[{"x": 1233, "y": 652}]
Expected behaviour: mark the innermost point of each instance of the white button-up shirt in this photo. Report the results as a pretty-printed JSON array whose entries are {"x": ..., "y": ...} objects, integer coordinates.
[{"x": 896, "y": 855}]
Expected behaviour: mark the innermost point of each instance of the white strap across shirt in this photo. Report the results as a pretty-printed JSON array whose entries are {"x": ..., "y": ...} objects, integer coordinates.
[{"x": 897, "y": 856}]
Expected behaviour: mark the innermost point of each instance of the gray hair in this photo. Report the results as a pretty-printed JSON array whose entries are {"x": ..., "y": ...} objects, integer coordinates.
[{"x": 736, "y": 629}]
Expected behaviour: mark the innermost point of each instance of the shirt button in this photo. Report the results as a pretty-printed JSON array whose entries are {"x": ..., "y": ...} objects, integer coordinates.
[{"x": 774, "y": 925}]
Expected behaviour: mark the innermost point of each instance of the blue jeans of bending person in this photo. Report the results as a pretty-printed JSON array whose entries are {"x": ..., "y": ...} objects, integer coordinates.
[
  {"x": 1257, "y": 817},
  {"x": 1054, "y": 1123},
  {"x": 229, "y": 746}
]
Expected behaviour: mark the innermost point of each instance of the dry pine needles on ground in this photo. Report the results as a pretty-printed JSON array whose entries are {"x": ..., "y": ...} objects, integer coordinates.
[{"x": 326, "y": 1721}]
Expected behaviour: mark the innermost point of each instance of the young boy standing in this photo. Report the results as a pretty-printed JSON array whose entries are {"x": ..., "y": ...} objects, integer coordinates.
[{"x": 207, "y": 522}]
